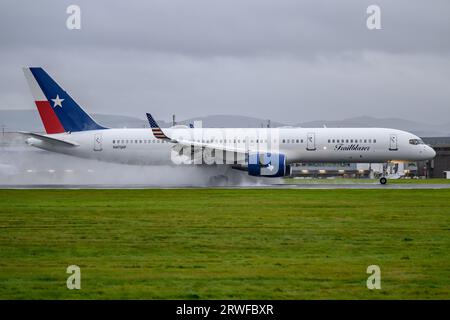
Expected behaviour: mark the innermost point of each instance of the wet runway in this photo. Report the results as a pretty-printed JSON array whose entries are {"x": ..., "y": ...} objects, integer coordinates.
[{"x": 269, "y": 186}]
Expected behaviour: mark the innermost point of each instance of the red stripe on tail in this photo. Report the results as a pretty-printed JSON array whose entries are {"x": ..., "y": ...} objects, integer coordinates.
[{"x": 49, "y": 118}]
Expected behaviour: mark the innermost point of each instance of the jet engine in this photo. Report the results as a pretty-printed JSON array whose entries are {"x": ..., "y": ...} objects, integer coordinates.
[{"x": 268, "y": 165}]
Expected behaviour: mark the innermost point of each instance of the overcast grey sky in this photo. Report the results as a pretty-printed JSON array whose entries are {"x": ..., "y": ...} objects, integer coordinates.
[{"x": 290, "y": 61}]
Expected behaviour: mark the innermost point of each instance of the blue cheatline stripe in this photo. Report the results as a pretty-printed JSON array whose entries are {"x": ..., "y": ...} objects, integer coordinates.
[{"x": 70, "y": 114}]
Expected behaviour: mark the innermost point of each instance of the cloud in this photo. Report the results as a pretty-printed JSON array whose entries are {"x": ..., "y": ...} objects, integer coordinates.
[{"x": 290, "y": 61}]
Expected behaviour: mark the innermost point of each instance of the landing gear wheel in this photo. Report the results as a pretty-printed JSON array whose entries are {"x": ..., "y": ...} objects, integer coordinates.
[
  {"x": 383, "y": 180},
  {"x": 218, "y": 181}
]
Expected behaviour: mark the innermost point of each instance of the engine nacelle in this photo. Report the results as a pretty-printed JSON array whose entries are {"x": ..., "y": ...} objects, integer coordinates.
[{"x": 272, "y": 165}]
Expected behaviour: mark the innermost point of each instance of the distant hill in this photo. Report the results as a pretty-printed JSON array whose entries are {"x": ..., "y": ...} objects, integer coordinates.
[
  {"x": 418, "y": 128},
  {"x": 28, "y": 120},
  {"x": 231, "y": 121},
  {"x": 25, "y": 120},
  {"x": 116, "y": 121}
]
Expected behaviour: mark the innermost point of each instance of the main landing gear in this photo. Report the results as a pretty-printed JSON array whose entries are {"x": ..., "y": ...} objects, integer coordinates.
[{"x": 383, "y": 180}]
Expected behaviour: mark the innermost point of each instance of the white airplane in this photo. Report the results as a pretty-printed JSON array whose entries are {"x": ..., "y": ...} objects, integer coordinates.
[{"x": 263, "y": 152}]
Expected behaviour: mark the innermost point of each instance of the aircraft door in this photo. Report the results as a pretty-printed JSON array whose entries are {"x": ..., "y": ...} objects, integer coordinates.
[
  {"x": 393, "y": 145},
  {"x": 98, "y": 142},
  {"x": 311, "y": 141}
]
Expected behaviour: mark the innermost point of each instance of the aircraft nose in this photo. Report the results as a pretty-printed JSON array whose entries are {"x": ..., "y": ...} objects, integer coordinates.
[{"x": 431, "y": 152}]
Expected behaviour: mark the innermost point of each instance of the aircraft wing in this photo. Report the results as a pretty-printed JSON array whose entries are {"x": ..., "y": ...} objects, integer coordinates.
[
  {"x": 159, "y": 134},
  {"x": 215, "y": 146},
  {"x": 51, "y": 140}
]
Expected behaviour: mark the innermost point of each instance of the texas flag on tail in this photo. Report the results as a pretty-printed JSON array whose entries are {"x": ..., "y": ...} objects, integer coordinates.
[{"x": 59, "y": 112}]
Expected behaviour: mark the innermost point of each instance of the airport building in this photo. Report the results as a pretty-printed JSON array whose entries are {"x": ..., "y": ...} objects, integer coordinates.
[
  {"x": 438, "y": 167},
  {"x": 326, "y": 170}
]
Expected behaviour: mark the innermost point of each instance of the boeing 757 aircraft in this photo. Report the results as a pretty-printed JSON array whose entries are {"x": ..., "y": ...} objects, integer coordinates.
[{"x": 261, "y": 152}]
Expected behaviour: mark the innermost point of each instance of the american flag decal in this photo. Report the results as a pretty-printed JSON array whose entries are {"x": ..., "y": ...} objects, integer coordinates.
[{"x": 157, "y": 132}]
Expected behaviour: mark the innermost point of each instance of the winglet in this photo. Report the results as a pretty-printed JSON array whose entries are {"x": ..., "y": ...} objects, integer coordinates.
[{"x": 157, "y": 132}]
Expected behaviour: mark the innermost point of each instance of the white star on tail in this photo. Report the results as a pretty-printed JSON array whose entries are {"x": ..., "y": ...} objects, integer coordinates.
[{"x": 57, "y": 102}]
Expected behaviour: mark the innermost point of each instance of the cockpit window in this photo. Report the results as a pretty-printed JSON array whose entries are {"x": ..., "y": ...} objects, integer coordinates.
[{"x": 415, "y": 141}]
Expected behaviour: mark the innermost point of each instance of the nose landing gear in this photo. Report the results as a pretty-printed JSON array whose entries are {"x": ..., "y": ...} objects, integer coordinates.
[{"x": 383, "y": 180}]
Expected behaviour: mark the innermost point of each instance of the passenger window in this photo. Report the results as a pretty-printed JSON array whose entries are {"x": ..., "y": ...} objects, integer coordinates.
[
  {"x": 333, "y": 140},
  {"x": 346, "y": 141},
  {"x": 365, "y": 140},
  {"x": 370, "y": 140},
  {"x": 284, "y": 141},
  {"x": 374, "y": 140},
  {"x": 297, "y": 141}
]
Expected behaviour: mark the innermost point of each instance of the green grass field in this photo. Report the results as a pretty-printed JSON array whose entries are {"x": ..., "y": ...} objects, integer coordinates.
[{"x": 225, "y": 244}]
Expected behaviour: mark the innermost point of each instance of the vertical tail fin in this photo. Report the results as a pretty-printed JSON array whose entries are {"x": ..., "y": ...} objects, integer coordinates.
[{"x": 58, "y": 111}]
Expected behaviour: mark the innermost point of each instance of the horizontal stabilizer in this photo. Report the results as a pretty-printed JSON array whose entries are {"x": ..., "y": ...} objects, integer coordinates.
[{"x": 51, "y": 140}]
